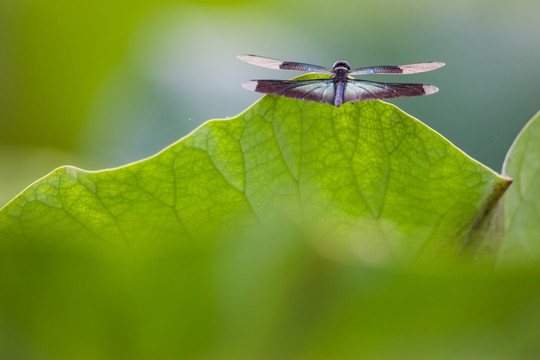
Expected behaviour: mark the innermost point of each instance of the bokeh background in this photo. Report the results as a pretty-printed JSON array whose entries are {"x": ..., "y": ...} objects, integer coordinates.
[{"x": 99, "y": 84}]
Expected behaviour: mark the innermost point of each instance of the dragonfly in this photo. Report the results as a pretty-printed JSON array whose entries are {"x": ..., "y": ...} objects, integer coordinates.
[{"x": 341, "y": 87}]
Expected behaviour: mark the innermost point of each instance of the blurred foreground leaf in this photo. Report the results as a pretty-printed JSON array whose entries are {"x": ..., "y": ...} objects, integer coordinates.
[{"x": 521, "y": 205}]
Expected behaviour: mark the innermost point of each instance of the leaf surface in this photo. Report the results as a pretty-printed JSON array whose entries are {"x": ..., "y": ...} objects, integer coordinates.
[
  {"x": 367, "y": 174},
  {"x": 521, "y": 205}
]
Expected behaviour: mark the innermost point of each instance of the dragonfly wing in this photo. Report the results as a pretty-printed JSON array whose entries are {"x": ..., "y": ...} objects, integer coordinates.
[
  {"x": 359, "y": 90},
  {"x": 398, "y": 69},
  {"x": 283, "y": 65},
  {"x": 321, "y": 90}
]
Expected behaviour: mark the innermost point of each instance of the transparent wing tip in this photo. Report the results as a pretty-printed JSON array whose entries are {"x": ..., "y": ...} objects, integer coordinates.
[
  {"x": 421, "y": 67},
  {"x": 244, "y": 57},
  {"x": 430, "y": 89},
  {"x": 250, "y": 85},
  {"x": 252, "y": 59},
  {"x": 261, "y": 61}
]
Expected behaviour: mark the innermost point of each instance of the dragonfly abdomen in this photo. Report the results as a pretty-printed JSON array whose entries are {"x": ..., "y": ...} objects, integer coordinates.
[
  {"x": 340, "y": 77},
  {"x": 340, "y": 90}
]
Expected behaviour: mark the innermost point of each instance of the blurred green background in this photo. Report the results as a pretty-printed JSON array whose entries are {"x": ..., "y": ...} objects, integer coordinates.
[{"x": 98, "y": 84}]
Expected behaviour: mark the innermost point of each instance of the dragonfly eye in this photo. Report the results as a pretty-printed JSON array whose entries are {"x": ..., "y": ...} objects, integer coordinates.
[{"x": 344, "y": 64}]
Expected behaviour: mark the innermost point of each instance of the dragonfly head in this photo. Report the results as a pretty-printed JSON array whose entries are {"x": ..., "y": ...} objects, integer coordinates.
[{"x": 341, "y": 65}]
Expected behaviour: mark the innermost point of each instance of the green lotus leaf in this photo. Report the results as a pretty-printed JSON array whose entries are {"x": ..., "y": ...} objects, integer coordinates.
[
  {"x": 520, "y": 244},
  {"x": 365, "y": 176}
]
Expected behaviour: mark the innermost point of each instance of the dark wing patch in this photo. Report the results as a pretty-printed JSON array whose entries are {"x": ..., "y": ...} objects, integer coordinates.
[
  {"x": 321, "y": 90},
  {"x": 283, "y": 65},
  {"x": 359, "y": 90}
]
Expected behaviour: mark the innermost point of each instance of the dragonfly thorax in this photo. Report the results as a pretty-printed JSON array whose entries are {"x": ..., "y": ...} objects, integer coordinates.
[{"x": 341, "y": 65}]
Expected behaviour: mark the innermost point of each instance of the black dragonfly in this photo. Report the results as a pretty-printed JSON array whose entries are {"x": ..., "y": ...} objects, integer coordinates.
[{"x": 340, "y": 87}]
